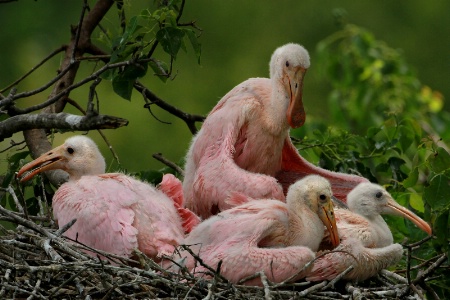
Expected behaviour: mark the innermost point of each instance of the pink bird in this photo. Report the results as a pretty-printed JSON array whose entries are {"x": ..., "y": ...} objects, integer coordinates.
[
  {"x": 266, "y": 235},
  {"x": 365, "y": 235},
  {"x": 244, "y": 142},
  {"x": 115, "y": 212}
]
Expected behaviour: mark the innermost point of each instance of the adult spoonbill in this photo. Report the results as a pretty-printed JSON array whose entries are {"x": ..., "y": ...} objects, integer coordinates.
[
  {"x": 244, "y": 144},
  {"x": 115, "y": 212},
  {"x": 266, "y": 235},
  {"x": 365, "y": 235}
]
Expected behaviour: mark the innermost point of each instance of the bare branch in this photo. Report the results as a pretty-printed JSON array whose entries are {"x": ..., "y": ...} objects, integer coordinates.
[
  {"x": 62, "y": 48},
  {"x": 13, "y": 96},
  {"x": 64, "y": 93},
  {"x": 189, "y": 119},
  {"x": 36, "y": 141},
  {"x": 61, "y": 121},
  {"x": 161, "y": 158}
]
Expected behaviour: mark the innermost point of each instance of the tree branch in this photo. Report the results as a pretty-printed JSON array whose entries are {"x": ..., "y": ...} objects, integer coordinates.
[
  {"x": 62, "y": 121},
  {"x": 13, "y": 110},
  {"x": 189, "y": 119},
  {"x": 56, "y": 51},
  {"x": 36, "y": 139}
]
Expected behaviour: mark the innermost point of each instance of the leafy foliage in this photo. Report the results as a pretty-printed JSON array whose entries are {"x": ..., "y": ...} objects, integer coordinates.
[
  {"x": 138, "y": 41},
  {"x": 371, "y": 80},
  {"x": 395, "y": 123}
]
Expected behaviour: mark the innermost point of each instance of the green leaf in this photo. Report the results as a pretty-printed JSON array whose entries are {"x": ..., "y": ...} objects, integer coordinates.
[
  {"x": 108, "y": 74},
  {"x": 13, "y": 165},
  {"x": 440, "y": 161},
  {"x": 170, "y": 39},
  {"x": 416, "y": 202},
  {"x": 372, "y": 131},
  {"x": 395, "y": 164},
  {"x": 441, "y": 229},
  {"x": 412, "y": 178},
  {"x": 437, "y": 194},
  {"x": 157, "y": 66},
  {"x": 407, "y": 137},
  {"x": 123, "y": 87},
  {"x": 134, "y": 71},
  {"x": 125, "y": 45},
  {"x": 131, "y": 28},
  {"x": 124, "y": 81},
  {"x": 194, "y": 42}
]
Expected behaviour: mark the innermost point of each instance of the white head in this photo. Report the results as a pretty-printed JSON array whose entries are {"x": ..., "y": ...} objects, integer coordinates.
[
  {"x": 78, "y": 156},
  {"x": 288, "y": 56},
  {"x": 371, "y": 200},
  {"x": 288, "y": 66},
  {"x": 314, "y": 192}
]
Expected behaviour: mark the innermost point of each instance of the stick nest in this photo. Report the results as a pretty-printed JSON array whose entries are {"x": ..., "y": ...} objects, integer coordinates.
[{"x": 37, "y": 262}]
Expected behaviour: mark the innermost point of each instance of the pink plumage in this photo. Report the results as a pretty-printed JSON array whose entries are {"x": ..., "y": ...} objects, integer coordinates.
[
  {"x": 265, "y": 235},
  {"x": 172, "y": 187},
  {"x": 115, "y": 212},
  {"x": 244, "y": 144}
]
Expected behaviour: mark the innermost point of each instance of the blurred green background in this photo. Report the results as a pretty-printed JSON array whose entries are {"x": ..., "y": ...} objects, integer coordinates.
[{"x": 238, "y": 39}]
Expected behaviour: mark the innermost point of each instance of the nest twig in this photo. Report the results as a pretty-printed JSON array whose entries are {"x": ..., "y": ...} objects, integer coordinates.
[{"x": 37, "y": 262}]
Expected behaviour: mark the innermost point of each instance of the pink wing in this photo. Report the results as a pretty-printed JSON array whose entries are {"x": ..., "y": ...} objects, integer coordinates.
[
  {"x": 218, "y": 176},
  {"x": 117, "y": 213},
  {"x": 212, "y": 171},
  {"x": 157, "y": 220},
  {"x": 295, "y": 167},
  {"x": 172, "y": 187},
  {"x": 105, "y": 216},
  {"x": 248, "y": 239},
  {"x": 236, "y": 199},
  {"x": 367, "y": 262},
  {"x": 358, "y": 242},
  {"x": 350, "y": 225}
]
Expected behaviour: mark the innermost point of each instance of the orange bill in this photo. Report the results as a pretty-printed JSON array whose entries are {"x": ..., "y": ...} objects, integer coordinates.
[
  {"x": 294, "y": 84},
  {"x": 326, "y": 214},
  {"x": 53, "y": 159},
  {"x": 394, "y": 208}
]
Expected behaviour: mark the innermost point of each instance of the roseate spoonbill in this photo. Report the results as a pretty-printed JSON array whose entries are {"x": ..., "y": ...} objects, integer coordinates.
[
  {"x": 115, "y": 212},
  {"x": 244, "y": 142},
  {"x": 266, "y": 235},
  {"x": 365, "y": 235}
]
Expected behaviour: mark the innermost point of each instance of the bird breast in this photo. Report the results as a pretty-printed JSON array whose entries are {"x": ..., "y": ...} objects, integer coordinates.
[{"x": 266, "y": 159}]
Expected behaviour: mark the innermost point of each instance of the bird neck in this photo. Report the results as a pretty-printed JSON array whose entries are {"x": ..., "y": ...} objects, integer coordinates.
[
  {"x": 306, "y": 229},
  {"x": 86, "y": 170},
  {"x": 382, "y": 232},
  {"x": 276, "y": 108}
]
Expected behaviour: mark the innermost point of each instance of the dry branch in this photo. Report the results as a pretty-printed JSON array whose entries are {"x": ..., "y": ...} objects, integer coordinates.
[
  {"x": 62, "y": 121},
  {"x": 189, "y": 119},
  {"x": 36, "y": 262},
  {"x": 80, "y": 43}
]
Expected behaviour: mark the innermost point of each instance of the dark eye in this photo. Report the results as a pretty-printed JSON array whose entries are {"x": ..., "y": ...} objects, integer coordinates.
[
  {"x": 378, "y": 195},
  {"x": 287, "y": 64},
  {"x": 70, "y": 150},
  {"x": 323, "y": 197}
]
